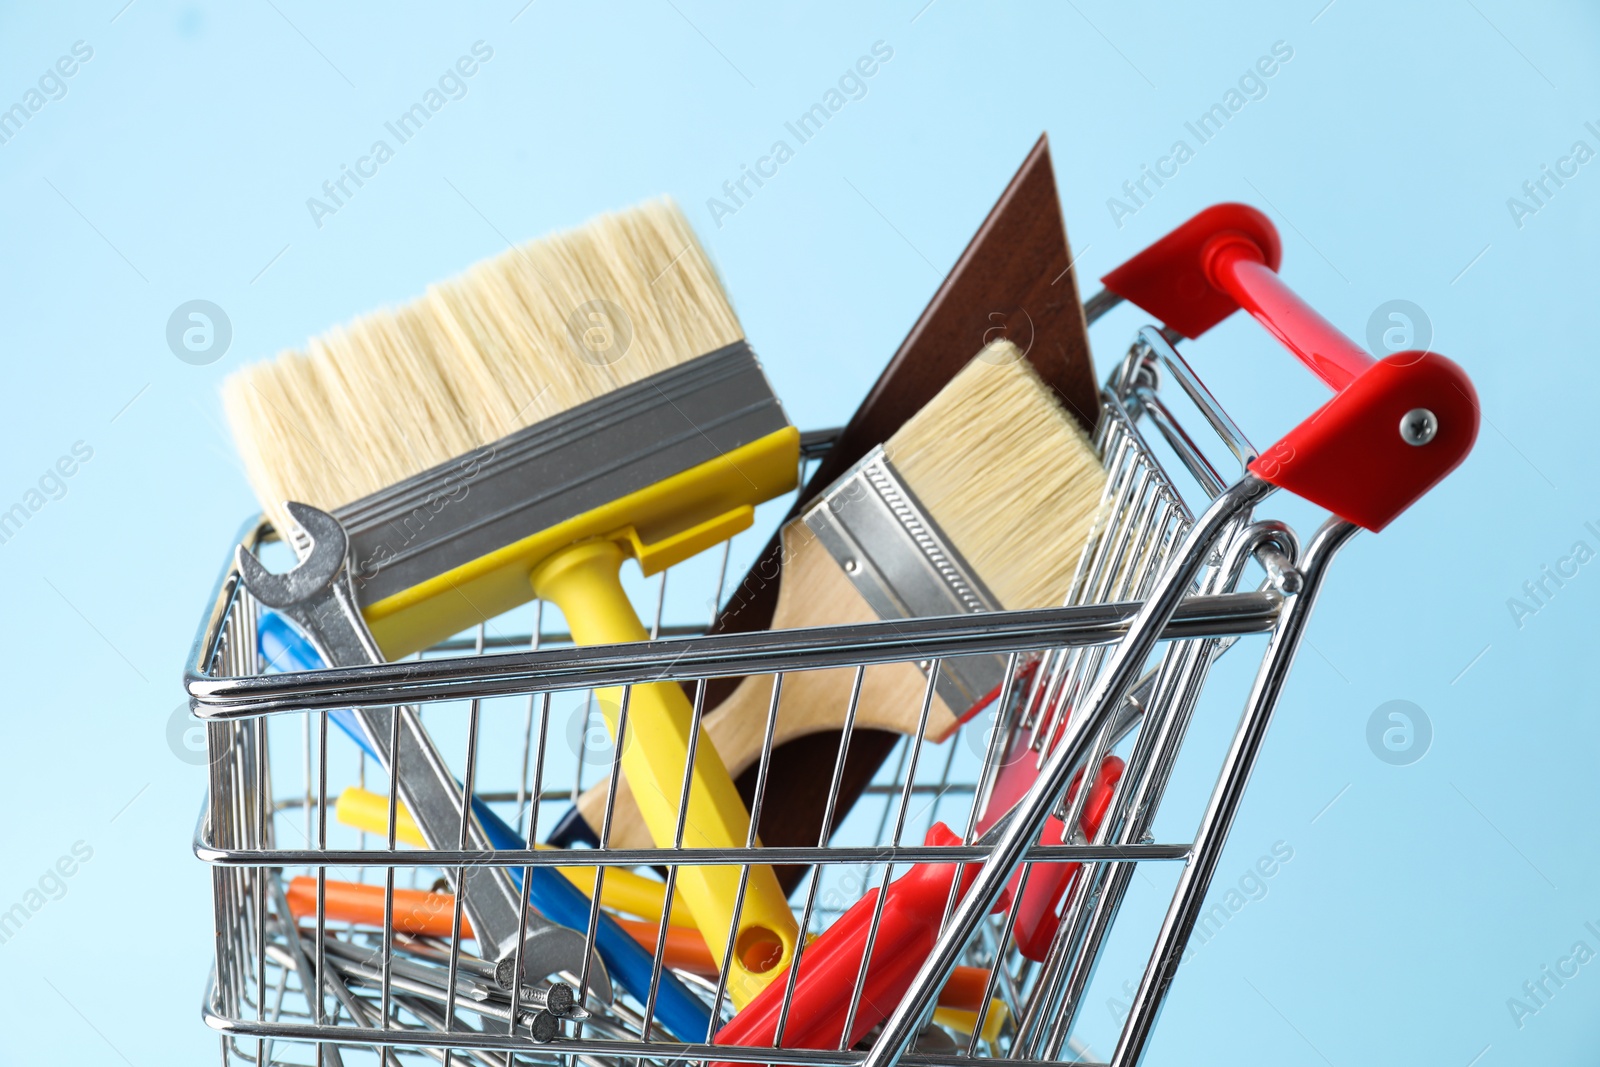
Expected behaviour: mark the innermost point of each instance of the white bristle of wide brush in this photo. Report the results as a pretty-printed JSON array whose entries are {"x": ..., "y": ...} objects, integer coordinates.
[
  {"x": 512, "y": 341},
  {"x": 1007, "y": 473}
]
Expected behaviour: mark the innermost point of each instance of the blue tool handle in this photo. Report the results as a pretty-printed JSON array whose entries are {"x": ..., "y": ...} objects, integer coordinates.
[{"x": 284, "y": 649}]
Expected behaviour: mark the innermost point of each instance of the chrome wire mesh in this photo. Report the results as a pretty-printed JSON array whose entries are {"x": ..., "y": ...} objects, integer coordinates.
[{"x": 293, "y": 985}]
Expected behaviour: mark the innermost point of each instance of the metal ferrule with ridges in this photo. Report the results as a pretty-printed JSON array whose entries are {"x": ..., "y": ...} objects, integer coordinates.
[{"x": 903, "y": 565}]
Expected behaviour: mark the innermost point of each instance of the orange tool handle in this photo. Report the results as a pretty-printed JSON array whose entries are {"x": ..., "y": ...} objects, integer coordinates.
[
  {"x": 416, "y": 911},
  {"x": 686, "y": 948},
  {"x": 964, "y": 990}
]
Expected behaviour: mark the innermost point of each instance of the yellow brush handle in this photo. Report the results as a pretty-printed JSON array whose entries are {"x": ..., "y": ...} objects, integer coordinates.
[
  {"x": 963, "y": 1020},
  {"x": 622, "y": 891},
  {"x": 583, "y": 582}
]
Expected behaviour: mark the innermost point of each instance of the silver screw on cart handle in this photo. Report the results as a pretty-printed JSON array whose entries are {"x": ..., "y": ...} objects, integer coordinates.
[{"x": 1418, "y": 426}]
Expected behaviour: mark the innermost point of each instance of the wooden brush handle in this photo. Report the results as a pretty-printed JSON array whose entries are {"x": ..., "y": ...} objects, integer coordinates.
[{"x": 815, "y": 592}]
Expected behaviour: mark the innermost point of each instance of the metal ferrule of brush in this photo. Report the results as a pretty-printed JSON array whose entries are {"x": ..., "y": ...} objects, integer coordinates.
[
  {"x": 560, "y": 467},
  {"x": 904, "y": 566}
]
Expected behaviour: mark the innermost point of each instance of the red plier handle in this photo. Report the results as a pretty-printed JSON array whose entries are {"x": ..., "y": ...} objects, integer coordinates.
[{"x": 1395, "y": 427}]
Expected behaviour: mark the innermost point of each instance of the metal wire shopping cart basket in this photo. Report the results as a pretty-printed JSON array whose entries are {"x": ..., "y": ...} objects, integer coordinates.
[{"x": 1114, "y": 675}]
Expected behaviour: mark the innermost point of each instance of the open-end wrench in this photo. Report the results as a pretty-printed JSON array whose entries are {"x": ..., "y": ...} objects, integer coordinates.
[
  {"x": 532, "y": 949},
  {"x": 558, "y": 998},
  {"x": 319, "y": 597}
]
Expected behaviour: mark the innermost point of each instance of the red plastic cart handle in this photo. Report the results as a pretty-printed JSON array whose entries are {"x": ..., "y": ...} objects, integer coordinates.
[{"x": 1396, "y": 426}]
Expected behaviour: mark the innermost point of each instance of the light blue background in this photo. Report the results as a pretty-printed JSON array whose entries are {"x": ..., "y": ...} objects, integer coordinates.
[{"x": 177, "y": 167}]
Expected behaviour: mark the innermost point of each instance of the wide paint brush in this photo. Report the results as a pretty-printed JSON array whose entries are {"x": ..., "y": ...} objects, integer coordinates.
[
  {"x": 520, "y": 431},
  {"x": 980, "y": 502}
]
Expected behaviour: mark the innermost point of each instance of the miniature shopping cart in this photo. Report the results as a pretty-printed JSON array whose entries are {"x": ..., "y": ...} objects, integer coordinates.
[{"x": 1178, "y": 569}]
